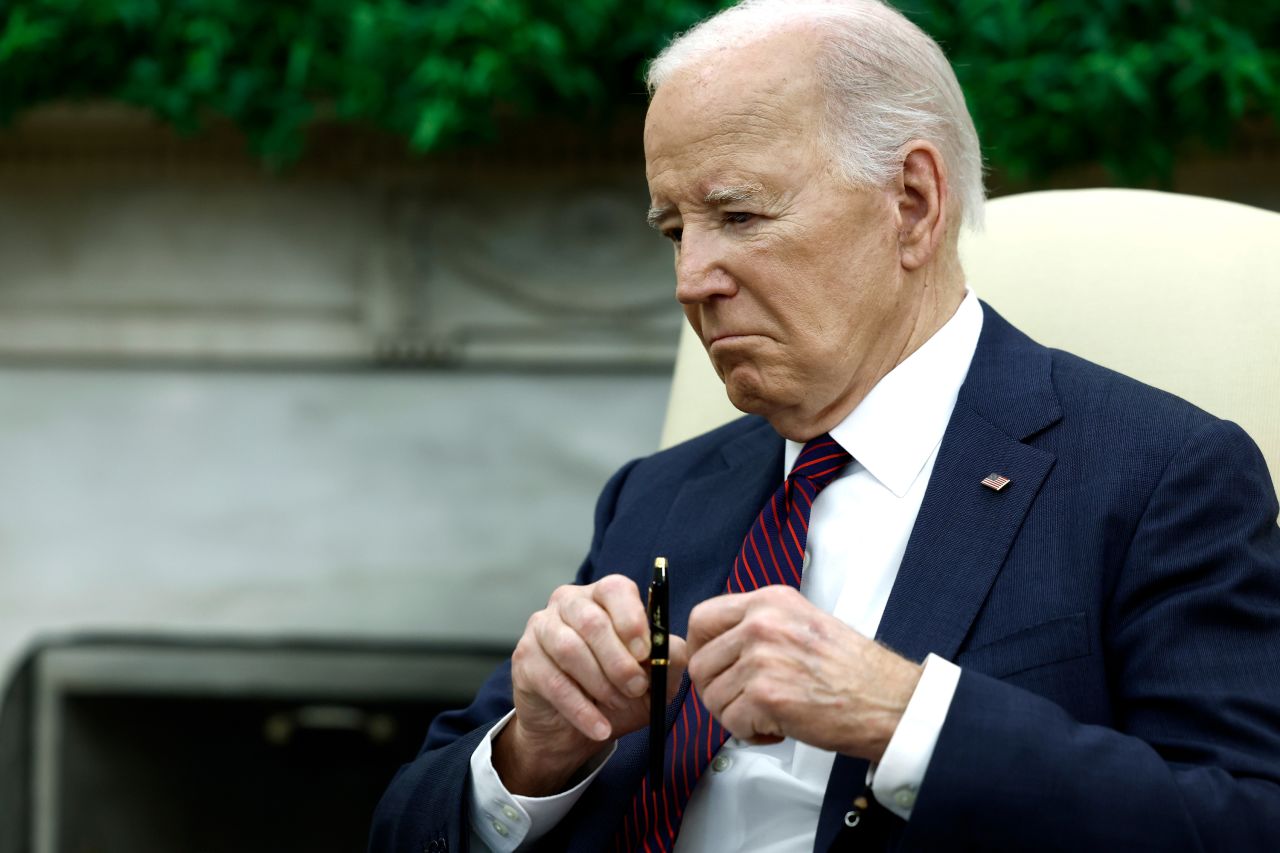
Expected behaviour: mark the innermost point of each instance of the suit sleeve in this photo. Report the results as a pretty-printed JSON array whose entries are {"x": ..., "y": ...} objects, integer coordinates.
[
  {"x": 426, "y": 802},
  {"x": 1192, "y": 649}
]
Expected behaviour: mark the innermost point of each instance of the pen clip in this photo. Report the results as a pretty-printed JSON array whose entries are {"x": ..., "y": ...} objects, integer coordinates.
[{"x": 656, "y": 607}]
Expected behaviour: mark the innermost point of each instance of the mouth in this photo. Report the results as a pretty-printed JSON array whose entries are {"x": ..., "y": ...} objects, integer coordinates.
[{"x": 730, "y": 338}]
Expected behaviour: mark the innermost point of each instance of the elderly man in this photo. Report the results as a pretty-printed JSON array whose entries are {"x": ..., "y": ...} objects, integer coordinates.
[{"x": 1073, "y": 580}]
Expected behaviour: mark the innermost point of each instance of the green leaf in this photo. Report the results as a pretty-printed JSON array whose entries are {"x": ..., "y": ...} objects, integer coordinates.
[
  {"x": 1052, "y": 84},
  {"x": 434, "y": 121},
  {"x": 22, "y": 35}
]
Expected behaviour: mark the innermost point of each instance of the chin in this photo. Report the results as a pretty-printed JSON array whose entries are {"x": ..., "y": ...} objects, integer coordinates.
[
  {"x": 749, "y": 397},
  {"x": 788, "y": 417}
]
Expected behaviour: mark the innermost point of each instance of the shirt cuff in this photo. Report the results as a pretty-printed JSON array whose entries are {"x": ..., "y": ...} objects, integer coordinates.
[
  {"x": 896, "y": 782},
  {"x": 504, "y": 821}
]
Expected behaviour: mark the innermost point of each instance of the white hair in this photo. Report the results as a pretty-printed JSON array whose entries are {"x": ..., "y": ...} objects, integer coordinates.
[{"x": 887, "y": 83}]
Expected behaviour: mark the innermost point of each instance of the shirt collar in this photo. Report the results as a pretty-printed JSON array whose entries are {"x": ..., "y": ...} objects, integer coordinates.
[{"x": 897, "y": 426}]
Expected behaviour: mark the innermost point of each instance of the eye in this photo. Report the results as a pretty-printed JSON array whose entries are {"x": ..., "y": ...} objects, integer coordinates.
[
  {"x": 738, "y": 217},
  {"x": 673, "y": 234}
]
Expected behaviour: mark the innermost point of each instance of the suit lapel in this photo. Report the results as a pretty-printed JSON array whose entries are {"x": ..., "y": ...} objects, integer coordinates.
[
  {"x": 961, "y": 536},
  {"x": 964, "y": 530}
]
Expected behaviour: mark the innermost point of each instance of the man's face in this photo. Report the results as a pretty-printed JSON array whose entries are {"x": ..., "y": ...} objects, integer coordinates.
[{"x": 790, "y": 277}]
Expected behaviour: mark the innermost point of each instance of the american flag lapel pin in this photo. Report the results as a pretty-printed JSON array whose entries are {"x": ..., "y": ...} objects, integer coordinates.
[{"x": 995, "y": 482}]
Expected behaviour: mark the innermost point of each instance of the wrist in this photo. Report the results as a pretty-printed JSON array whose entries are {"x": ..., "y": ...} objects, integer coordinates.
[
  {"x": 899, "y": 686},
  {"x": 537, "y": 764}
]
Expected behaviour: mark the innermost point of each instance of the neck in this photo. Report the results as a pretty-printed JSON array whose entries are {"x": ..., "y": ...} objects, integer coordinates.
[{"x": 943, "y": 293}]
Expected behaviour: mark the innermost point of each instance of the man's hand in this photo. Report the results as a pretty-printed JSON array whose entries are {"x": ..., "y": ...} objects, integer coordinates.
[
  {"x": 769, "y": 664},
  {"x": 578, "y": 680}
]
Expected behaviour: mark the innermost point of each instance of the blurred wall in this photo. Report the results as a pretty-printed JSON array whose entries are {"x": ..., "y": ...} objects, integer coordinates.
[{"x": 373, "y": 398}]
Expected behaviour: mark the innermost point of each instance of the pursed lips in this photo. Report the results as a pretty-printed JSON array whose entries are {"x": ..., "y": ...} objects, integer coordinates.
[{"x": 730, "y": 337}]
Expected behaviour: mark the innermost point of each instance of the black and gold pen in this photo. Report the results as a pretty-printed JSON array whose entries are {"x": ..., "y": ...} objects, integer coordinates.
[{"x": 659, "y": 644}]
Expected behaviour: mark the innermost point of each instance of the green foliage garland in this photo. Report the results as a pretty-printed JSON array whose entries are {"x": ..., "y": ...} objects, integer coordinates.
[
  {"x": 1052, "y": 83},
  {"x": 1123, "y": 82}
]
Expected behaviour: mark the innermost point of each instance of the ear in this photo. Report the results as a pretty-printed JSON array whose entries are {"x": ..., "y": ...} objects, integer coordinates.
[{"x": 921, "y": 204}]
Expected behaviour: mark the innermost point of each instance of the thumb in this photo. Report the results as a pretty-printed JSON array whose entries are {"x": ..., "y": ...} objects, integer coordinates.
[{"x": 678, "y": 657}]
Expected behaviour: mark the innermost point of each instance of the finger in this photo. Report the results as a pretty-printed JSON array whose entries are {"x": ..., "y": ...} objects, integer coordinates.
[
  {"x": 716, "y": 655},
  {"x": 744, "y": 707},
  {"x": 678, "y": 661},
  {"x": 716, "y": 615},
  {"x": 594, "y": 625},
  {"x": 717, "y": 693},
  {"x": 620, "y": 597},
  {"x": 569, "y": 652},
  {"x": 561, "y": 692}
]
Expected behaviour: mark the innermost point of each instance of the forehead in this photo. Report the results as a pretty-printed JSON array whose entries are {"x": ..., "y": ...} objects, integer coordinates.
[{"x": 752, "y": 109}]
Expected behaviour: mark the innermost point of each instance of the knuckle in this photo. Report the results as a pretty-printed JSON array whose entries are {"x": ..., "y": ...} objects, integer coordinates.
[
  {"x": 527, "y": 652},
  {"x": 592, "y": 621},
  {"x": 520, "y": 655},
  {"x": 518, "y": 674},
  {"x": 614, "y": 583},
  {"x": 618, "y": 590},
  {"x": 781, "y": 595},
  {"x": 539, "y": 626},
  {"x": 760, "y": 664},
  {"x": 697, "y": 621},
  {"x": 628, "y": 624},
  {"x": 769, "y": 696},
  {"x": 562, "y": 593},
  {"x": 697, "y": 671},
  {"x": 758, "y": 627},
  {"x": 563, "y": 645}
]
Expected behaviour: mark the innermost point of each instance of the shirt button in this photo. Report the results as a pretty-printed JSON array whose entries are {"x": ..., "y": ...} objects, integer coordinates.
[
  {"x": 500, "y": 828},
  {"x": 721, "y": 763},
  {"x": 904, "y": 798},
  {"x": 511, "y": 813}
]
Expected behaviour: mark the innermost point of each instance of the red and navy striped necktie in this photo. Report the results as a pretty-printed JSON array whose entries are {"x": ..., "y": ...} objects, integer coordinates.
[{"x": 773, "y": 552}]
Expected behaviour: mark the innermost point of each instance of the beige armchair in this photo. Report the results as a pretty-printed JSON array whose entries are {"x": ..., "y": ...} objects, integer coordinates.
[{"x": 1178, "y": 291}]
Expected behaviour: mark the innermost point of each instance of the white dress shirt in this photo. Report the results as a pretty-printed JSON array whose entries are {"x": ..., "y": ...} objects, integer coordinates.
[{"x": 767, "y": 798}]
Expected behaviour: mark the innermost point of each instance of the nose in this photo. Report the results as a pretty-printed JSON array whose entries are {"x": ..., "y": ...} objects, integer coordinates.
[{"x": 700, "y": 270}]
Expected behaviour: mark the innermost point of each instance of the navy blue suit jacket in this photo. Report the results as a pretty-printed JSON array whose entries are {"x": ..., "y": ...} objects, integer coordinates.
[{"x": 1115, "y": 611}]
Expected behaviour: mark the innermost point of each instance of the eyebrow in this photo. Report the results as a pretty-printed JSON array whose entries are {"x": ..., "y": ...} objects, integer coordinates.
[
  {"x": 656, "y": 215},
  {"x": 734, "y": 194}
]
